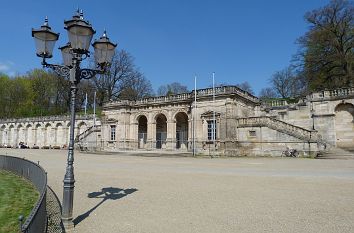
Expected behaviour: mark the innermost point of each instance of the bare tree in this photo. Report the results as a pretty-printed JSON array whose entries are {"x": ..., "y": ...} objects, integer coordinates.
[
  {"x": 289, "y": 83},
  {"x": 267, "y": 93},
  {"x": 172, "y": 89},
  {"x": 136, "y": 87},
  {"x": 110, "y": 85},
  {"x": 246, "y": 87},
  {"x": 162, "y": 90}
]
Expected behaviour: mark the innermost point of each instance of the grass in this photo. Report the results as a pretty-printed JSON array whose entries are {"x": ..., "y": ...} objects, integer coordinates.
[{"x": 17, "y": 197}]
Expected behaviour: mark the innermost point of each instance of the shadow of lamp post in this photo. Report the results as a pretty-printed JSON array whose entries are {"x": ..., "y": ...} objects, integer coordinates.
[
  {"x": 108, "y": 193},
  {"x": 80, "y": 34}
]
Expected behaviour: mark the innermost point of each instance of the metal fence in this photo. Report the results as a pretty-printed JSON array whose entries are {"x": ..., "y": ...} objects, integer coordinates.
[
  {"x": 181, "y": 139},
  {"x": 37, "y": 219},
  {"x": 161, "y": 140}
]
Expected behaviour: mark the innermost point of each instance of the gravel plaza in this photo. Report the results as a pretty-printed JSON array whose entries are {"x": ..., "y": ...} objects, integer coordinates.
[{"x": 126, "y": 193}]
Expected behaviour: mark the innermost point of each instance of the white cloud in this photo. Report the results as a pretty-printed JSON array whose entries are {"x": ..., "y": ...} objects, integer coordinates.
[
  {"x": 4, "y": 67},
  {"x": 7, "y": 68}
]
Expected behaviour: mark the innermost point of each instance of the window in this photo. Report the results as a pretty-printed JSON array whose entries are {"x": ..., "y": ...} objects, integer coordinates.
[
  {"x": 252, "y": 133},
  {"x": 113, "y": 132},
  {"x": 211, "y": 130}
]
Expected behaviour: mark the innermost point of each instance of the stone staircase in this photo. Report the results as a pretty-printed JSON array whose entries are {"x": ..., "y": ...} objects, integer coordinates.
[
  {"x": 281, "y": 126},
  {"x": 87, "y": 132},
  {"x": 337, "y": 153}
]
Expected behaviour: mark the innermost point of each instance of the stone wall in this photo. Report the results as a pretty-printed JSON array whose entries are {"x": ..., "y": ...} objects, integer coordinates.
[
  {"x": 320, "y": 120},
  {"x": 41, "y": 132},
  {"x": 244, "y": 124},
  {"x": 175, "y": 122},
  {"x": 330, "y": 113}
]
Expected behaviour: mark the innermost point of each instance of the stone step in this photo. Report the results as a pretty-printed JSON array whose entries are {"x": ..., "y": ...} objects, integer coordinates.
[
  {"x": 337, "y": 153},
  {"x": 145, "y": 153}
]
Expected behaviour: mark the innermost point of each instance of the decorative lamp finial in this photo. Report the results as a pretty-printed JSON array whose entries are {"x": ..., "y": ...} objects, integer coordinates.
[
  {"x": 81, "y": 14},
  {"x": 46, "y": 21}
]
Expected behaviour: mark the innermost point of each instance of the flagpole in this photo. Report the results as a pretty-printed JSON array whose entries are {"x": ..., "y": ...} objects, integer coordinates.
[
  {"x": 194, "y": 112},
  {"x": 214, "y": 122},
  {"x": 94, "y": 109},
  {"x": 86, "y": 104}
]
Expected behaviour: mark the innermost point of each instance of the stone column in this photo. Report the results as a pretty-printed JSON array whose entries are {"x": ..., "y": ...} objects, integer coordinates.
[
  {"x": 25, "y": 131},
  {"x": 151, "y": 131},
  {"x": 29, "y": 136},
  {"x": 190, "y": 134},
  {"x": 16, "y": 137},
  {"x": 55, "y": 135},
  {"x": 65, "y": 135},
  {"x": 134, "y": 135},
  {"x": 5, "y": 136},
  {"x": 171, "y": 135},
  {"x": 1, "y": 136},
  {"x": 34, "y": 134},
  {"x": 151, "y": 135},
  {"x": 9, "y": 136}
]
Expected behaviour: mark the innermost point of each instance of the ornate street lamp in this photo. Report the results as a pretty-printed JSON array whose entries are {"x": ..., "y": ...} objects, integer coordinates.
[
  {"x": 45, "y": 40},
  {"x": 80, "y": 34}
]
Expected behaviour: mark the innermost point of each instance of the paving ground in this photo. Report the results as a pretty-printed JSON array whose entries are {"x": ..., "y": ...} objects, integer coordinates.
[{"x": 120, "y": 193}]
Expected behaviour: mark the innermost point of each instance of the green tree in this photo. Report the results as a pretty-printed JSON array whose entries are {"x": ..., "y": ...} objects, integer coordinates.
[
  {"x": 326, "y": 54},
  {"x": 44, "y": 89}
]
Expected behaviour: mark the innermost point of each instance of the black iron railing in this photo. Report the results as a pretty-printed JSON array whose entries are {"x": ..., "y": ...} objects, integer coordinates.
[{"x": 37, "y": 219}]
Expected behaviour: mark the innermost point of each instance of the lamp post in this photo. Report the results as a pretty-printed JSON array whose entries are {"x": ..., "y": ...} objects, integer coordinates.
[{"x": 80, "y": 33}]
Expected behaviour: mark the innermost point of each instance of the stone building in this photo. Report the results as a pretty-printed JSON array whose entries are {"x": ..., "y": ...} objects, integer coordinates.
[
  {"x": 231, "y": 122},
  {"x": 224, "y": 121}
]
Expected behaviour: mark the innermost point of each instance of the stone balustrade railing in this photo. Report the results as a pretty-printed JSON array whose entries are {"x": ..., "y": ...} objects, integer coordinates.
[
  {"x": 281, "y": 126},
  {"x": 325, "y": 94},
  {"x": 46, "y": 118},
  {"x": 341, "y": 92},
  {"x": 275, "y": 103},
  {"x": 188, "y": 96}
]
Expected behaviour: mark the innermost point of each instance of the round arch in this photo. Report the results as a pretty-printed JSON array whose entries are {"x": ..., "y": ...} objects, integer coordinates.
[
  {"x": 28, "y": 134},
  {"x": 3, "y": 134},
  {"x": 344, "y": 125},
  {"x": 20, "y": 135},
  {"x": 59, "y": 137},
  {"x": 48, "y": 134},
  {"x": 81, "y": 127},
  {"x": 181, "y": 130},
  {"x": 58, "y": 125},
  {"x": 10, "y": 135},
  {"x": 161, "y": 130},
  {"x": 142, "y": 130},
  {"x": 158, "y": 114}
]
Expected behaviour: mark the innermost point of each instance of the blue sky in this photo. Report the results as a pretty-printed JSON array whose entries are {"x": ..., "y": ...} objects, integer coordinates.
[{"x": 171, "y": 40}]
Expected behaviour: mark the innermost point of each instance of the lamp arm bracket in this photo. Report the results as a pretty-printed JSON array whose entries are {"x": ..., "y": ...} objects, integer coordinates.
[
  {"x": 89, "y": 73},
  {"x": 60, "y": 70}
]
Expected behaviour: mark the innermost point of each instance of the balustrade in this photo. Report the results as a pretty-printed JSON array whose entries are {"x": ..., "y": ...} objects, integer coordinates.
[{"x": 188, "y": 96}]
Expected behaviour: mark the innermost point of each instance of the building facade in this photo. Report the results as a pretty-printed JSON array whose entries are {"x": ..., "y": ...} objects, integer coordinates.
[
  {"x": 229, "y": 121},
  {"x": 224, "y": 121}
]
